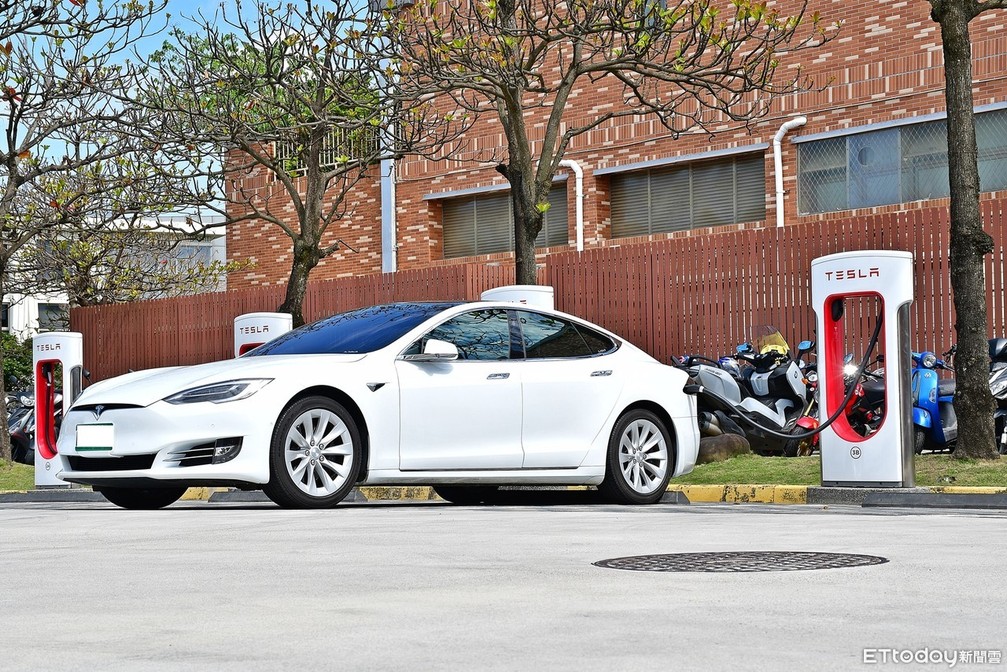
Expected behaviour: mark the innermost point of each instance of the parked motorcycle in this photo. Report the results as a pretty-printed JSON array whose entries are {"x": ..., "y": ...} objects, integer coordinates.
[
  {"x": 935, "y": 424},
  {"x": 770, "y": 390},
  {"x": 21, "y": 427},
  {"x": 998, "y": 387},
  {"x": 864, "y": 411}
]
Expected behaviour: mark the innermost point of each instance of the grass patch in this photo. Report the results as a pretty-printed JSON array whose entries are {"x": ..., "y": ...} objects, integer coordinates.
[
  {"x": 14, "y": 476},
  {"x": 939, "y": 469}
]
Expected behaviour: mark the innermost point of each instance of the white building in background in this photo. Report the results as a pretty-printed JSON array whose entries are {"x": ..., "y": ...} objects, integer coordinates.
[{"x": 26, "y": 315}]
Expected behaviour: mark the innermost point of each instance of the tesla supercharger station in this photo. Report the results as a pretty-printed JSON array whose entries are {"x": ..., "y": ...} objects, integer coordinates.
[
  {"x": 50, "y": 350},
  {"x": 881, "y": 278},
  {"x": 253, "y": 329},
  {"x": 540, "y": 296}
]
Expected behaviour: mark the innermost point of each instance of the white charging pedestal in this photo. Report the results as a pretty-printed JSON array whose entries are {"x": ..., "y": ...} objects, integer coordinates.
[
  {"x": 50, "y": 350},
  {"x": 539, "y": 296},
  {"x": 253, "y": 329},
  {"x": 885, "y": 277}
]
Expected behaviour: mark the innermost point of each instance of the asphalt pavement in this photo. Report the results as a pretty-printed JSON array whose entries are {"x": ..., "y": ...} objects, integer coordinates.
[{"x": 430, "y": 586}]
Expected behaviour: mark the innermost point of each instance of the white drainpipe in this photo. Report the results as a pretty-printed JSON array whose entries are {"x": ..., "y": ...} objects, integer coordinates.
[
  {"x": 579, "y": 193},
  {"x": 778, "y": 160},
  {"x": 389, "y": 245}
]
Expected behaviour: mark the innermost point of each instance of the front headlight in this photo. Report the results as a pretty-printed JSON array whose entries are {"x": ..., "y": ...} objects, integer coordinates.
[
  {"x": 229, "y": 390},
  {"x": 928, "y": 360}
]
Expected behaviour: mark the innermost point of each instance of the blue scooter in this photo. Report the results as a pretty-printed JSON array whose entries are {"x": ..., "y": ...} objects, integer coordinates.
[{"x": 935, "y": 425}]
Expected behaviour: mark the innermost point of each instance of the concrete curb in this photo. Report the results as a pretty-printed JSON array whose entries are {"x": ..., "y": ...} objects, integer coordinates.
[
  {"x": 924, "y": 497},
  {"x": 936, "y": 500}
]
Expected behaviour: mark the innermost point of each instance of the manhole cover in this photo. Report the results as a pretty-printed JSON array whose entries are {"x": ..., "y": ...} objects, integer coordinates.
[{"x": 741, "y": 561}]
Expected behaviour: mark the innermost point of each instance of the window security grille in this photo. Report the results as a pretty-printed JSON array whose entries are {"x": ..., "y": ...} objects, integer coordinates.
[
  {"x": 894, "y": 165},
  {"x": 338, "y": 147}
]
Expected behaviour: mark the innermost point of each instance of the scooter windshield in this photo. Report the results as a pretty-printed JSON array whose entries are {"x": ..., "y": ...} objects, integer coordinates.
[{"x": 767, "y": 338}]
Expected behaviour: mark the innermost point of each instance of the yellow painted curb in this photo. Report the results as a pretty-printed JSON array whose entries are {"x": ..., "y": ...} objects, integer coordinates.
[
  {"x": 201, "y": 493},
  {"x": 375, "y": 492},
  {"x": 967, "y": 490},
  {"x": 762, "y": 494}
]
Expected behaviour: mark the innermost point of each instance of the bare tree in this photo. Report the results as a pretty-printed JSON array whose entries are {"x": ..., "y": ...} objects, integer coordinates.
[
  {"x": 295, "y": 100},
  {"x": 687, "y": 62},
  {"x": 63, "y": 80},
  {"x": 969, "y": 243}
]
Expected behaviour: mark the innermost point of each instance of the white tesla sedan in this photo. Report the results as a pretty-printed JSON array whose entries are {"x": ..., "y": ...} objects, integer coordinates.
[{"x": 463, "y": 397}]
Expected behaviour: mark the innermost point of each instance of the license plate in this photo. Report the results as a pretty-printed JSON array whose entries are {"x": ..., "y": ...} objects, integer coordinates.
[{"x": 95, "y": 437}]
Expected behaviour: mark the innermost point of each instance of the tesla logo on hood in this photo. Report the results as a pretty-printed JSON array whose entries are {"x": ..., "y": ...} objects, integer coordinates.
[{"x": 98, "y": 410}]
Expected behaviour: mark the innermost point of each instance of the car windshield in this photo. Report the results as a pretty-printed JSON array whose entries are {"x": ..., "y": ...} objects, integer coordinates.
[{"x": 358, "y": 331}]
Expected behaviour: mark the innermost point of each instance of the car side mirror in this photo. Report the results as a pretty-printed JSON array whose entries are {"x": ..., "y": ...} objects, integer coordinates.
[{"x": 435, "y": 351}]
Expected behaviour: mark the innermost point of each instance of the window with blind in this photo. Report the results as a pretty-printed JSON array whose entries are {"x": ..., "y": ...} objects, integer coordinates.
[
  {"x": 484, "y": 224},
  {"x": 705, "y": 193}
]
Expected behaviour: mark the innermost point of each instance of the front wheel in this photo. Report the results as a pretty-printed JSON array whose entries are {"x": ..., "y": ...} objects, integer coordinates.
[
  {"x": 314, "y": 455},
  {"x": 919, "y": 440},
  {"x": 639, "y": 463},
  {"x": 141, "y": 498}
]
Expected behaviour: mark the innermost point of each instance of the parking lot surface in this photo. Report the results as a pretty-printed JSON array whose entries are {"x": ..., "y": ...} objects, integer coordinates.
[{"x": 429, "y": 586}]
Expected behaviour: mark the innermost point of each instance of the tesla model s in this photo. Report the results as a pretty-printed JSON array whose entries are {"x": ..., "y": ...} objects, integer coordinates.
[{"x": 464, "y": 397}]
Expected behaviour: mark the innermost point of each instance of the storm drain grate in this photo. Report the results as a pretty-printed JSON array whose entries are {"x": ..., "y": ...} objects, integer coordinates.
[{"x": 741, "y": 561}]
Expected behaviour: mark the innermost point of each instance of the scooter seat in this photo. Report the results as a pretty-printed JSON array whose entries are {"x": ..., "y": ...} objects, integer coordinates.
[
  {"x": 945, "y": 388},
  {"x": 874, "y": 390}
]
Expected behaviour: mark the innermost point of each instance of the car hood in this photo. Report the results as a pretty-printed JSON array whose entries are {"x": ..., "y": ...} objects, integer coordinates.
[{"x": 142, "y": 388}]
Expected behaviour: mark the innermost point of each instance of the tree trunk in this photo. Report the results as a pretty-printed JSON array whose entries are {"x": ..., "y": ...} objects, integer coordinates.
[
  {"x": 969, "y": 243},
  {"x": 305, "y": 259},
  {"x": 527, "y": 224},
  {"x": 5, "y": 451}
]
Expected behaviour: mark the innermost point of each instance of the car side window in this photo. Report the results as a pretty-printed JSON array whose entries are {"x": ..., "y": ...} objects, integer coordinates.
[
  {"x": 597, "y": 342},
  {"x": 479, "y": 335},
  {"x": 550, "y": 337}
]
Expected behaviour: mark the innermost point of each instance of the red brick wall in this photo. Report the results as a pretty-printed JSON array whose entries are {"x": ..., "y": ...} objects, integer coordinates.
[
  {"x": 266, "y": 249},
  {"x": 885, "y": 64}
]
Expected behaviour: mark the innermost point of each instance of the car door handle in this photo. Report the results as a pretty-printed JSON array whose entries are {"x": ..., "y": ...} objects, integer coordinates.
[
  {"x": 598, "y": 374},
  {"x": 498, "y": 376}
]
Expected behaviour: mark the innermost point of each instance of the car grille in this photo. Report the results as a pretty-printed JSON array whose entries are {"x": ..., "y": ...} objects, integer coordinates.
[{"x": 127, "y": 463}]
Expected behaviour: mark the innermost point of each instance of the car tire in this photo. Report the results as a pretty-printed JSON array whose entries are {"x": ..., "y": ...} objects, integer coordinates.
[
  {"x": 639, "y": 461},
  {"x": 314, "y": 455},
  {"x": 468, "y": 494},
  {"x": 141, "y": 498}
]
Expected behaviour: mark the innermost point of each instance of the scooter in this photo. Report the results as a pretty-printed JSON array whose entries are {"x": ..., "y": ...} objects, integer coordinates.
[
  {"x": 770, "y": 391},
  {"x": 998, "y": 387},
  {"x": 935, "y": 424}
]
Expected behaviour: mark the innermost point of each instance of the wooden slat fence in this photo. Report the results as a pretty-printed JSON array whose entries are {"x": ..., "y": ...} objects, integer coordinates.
[{"x": 699, "y": 294}]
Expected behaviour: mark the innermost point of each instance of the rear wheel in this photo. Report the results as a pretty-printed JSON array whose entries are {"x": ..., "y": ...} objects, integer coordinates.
[
  {"x": 314, "y": 456},
  {"x": 639, "y": 462},
  {"x": 468, "y": 494},
  {"x": 141, "y": 498}
]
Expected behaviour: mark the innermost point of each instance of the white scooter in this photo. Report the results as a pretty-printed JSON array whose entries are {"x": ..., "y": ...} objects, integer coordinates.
[{"x": 771, "y": 391}]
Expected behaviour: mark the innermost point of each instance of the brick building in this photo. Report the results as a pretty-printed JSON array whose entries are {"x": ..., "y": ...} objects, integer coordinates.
[{"x": 873, "y": 142}]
